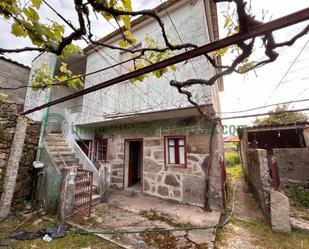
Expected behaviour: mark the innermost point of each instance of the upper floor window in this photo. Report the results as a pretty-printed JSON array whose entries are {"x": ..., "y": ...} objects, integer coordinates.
[
  {"x": 175, "y": 150},
  {"x": 101, "y": 150}
]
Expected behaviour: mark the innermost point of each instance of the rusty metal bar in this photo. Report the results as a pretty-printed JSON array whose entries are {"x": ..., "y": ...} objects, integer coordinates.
[
  {"x": 273, "y": 166},
  {"x": 83, "y": 191},
  {"x": 258, "y": 30},
  {"x": 223, "y": 179}
]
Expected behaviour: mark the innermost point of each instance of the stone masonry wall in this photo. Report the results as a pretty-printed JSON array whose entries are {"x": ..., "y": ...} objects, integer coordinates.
[
  {"x": 116, "y": 157},
  {"x": 293, "y": 166},
  {"x": 183, "y": 184},
  {"x": 258, "y": 178},
  {"x": 8, "y": 116}
]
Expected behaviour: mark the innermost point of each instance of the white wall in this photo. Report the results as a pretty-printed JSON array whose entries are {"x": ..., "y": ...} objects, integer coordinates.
[
  {"x": 36, "y": 98},
  {"x": 153, "y": 94}
]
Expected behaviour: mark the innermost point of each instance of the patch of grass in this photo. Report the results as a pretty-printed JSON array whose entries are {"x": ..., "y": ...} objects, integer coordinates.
[
  {"x": 234, "y": 171},
  {"x": 300, "y": 197},
  {"x": 266, "y": 237},
  {"x": 263, "y": 236},
  {"x": 72, "y": 240},
  {"x": 231, "y": 159}
]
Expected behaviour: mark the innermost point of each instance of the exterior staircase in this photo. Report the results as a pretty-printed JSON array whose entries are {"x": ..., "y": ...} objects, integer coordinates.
[{"x": 64, "y": 157}]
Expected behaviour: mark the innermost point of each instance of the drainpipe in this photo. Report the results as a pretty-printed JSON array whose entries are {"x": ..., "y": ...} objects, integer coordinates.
[{"x": 44, "y": 120}]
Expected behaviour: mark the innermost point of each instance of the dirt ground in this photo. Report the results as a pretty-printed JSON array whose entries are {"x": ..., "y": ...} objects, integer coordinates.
[
  {"x": 131, "y": 211},
  {"x": 73, "y": 239},
  {"x": 248, "y": 229}
]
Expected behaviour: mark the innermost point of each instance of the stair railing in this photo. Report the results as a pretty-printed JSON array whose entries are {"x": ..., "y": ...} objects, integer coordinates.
[
  {"x": 81, "y": 140},
  {"x": 61, "y": 158},
  {"x": 86, "y": 162}
]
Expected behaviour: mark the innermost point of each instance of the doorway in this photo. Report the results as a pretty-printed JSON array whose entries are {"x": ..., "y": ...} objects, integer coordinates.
[
  {"x": 85, "y": 145},
  {"x": 134, "y": 163}
]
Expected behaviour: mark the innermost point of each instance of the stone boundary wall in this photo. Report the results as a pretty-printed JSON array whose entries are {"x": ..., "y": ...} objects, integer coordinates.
[
  {"x": 8, "y": 116},
  {"x": 258, "y": 178},
  {"x": 293, "y": 167}
]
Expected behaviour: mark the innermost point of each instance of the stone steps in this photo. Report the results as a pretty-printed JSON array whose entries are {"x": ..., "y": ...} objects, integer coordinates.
[
  {"x": 57, "y": 143},
  {"x": 55, "y": 140},
  {"x": 72, "y": 161},
  {"x": 61, "y": 151}
]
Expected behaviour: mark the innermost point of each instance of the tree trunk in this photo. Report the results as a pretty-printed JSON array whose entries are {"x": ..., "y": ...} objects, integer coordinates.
[{"x": 12, "y": 167}]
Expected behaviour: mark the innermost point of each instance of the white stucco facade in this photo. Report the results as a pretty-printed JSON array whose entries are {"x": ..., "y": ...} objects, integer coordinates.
[{"x": 152, "y": 94}]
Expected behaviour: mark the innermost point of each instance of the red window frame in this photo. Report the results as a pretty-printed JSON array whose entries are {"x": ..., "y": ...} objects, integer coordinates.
[
  {"x": 176, "y": 151},
  {"x": 104, "y": 152}
]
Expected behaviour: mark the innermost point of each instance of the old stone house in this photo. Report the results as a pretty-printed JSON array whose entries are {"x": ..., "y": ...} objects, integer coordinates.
[{"x": 154, "y": 140}]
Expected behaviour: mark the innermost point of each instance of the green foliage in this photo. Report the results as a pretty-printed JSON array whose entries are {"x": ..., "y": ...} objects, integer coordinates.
[
  {"x": 258, "y": 234},
  {"x": 234, "y": 171},
  {"x": 277, "y": 118},
  {"x": 49, "y": 34},
  {"x": 121, "y": 5},
  {"x": 151, "y": 57},
  {"x": 27, "y": 24},
  {"x": 231, "y": 147},
  {"x": 3, "y": 97},
  {"x": 231, "y": 159},
  {"x": 300, "y": 197},
  {"x": 43, "y": 79}
]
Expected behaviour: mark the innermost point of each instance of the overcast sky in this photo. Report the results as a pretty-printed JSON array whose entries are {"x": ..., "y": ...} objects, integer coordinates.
[
  {"x": 241, "y": 92},
  {"x": 257, "y": 88}
]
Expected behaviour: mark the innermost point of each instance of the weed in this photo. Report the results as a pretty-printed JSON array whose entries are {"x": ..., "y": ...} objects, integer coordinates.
[
  {"x": 153, "y": 214},
  {"x": 262, "y": 235},
  {"x": 231, "y": 159},
  {"x": 300, "y": 197},
  {"x": 234, "y": 171}
]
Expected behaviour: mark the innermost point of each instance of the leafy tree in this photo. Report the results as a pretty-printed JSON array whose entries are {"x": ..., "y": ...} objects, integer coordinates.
[{"x": 279, "y": 116}]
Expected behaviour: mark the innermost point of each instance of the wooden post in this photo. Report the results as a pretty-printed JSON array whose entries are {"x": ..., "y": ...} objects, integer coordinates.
[
  {"x": 104, "y": 181},
  {"x": 12, "y": 167}
]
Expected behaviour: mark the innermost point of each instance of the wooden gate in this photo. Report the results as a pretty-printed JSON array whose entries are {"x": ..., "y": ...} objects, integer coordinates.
[{"x": 83, "y": 191}]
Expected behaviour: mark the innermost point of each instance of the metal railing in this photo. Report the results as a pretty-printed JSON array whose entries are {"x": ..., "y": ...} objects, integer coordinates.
[
  {"x": 83, "y": 191},
  {"x": 86, "y": 162}
]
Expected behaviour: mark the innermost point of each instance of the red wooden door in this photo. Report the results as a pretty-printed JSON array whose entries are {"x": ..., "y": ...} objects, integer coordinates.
[
  {"x": 135, "y": 162},
  {"x": 131, "y": 165}
]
